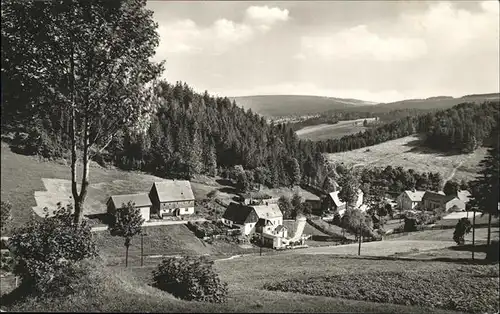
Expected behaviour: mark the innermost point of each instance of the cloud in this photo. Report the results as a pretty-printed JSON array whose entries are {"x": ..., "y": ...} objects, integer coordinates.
[
  {"x": 185, "y": 36},
  {"x": 441, "y": 30},
  {"x": 359, "y": 42},
  {"x": 264, "y": 17}
]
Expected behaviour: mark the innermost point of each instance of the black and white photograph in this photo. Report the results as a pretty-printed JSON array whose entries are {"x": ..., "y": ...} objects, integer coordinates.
[{"x": 250, "y": 156}]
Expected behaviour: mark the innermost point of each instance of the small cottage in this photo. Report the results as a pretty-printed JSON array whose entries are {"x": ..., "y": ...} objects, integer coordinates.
[
  {"x": 172, "y": 198},
  {"x": 335, "y": 204},
  {"x": 140, "y": 201}
]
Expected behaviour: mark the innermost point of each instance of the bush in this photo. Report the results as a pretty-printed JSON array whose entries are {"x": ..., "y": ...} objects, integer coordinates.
[
  {"x": 46, "y": 249},
  {"x": 462, "y": 228},
  {"x": 190, "y": 278}
]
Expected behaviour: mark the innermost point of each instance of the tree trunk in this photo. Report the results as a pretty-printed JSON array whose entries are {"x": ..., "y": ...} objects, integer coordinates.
[
  {"x": 489, "y": 230},
  {"x": 126, "y": 255}
]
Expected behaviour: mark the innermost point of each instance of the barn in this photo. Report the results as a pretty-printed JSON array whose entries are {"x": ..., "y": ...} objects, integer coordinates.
[
  {"x": 140, "y": 201},
  {"x": 172, "y": 198}
]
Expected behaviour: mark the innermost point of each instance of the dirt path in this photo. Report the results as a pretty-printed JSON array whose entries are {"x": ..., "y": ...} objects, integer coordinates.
[{"x": 452, "y": 174}]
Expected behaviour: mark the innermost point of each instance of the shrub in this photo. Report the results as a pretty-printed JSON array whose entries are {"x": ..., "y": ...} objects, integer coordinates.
[
  {"x": 462, "y": 228},
  {"x": 45, "y": 249},
  {"x": 190, "y": 278}
]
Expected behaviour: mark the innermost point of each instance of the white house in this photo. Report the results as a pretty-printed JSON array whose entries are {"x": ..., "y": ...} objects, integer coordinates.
[
  {"x": 246, "y": 216},
  {"x": 408, "y": 200},
  {"x": 337, "y": 205}
]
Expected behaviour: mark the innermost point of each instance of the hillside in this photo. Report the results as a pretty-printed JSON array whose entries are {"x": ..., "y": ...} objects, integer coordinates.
[
  {"x": 290, "y": 105},
  {"x": 440, "y": 102},
  {"x": 331, "y": 131},
  {"x": 287, "y": 105},
  {"x": 408, "y": 152}
]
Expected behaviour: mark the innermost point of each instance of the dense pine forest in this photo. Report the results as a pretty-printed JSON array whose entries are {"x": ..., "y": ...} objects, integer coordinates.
[{"x": 193, "y": 133}]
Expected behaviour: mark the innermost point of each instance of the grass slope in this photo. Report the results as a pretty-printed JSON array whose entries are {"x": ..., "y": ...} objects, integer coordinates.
[
  {"x": 287, "y": 105},
  {"x": 408, "y": 152},
  {"x": 331, "y": 131},
  {"x": 126, "y": 290},
  {"x": 22, "y": 176}
]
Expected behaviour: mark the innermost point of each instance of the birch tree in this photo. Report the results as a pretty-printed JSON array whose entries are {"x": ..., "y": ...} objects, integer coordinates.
[{"x": 87, "y": 63}]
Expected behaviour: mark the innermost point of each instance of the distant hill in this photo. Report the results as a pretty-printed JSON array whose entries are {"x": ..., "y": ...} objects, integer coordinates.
[
  {"x": 291, "y": 105},
  {"x": 287, "y": 105},
  {"x": 439, "y": 102}
]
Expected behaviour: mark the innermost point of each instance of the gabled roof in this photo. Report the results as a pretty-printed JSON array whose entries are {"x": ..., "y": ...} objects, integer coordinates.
[
  {"x": 267, "y": 211},
  {"x": 464, "y": 195},
  {"x": 174, "y": 190},
  {"x": 415, "y": 196},
  {"x": 139, "y": 200},
  {"x": 279, "y": 228},
  {"x": 335, "y": 198},
  {"x": 438, "y": 197},
  {"x": 237, "y": 213}
]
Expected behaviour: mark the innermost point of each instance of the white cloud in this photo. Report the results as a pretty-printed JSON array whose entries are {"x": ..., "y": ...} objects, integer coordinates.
[
  {"x": 359, "y": 42},
  {"x": 265, "y": 16},
  {"x": 185, "y": 36},
  {"x": 441, "y": 30}
]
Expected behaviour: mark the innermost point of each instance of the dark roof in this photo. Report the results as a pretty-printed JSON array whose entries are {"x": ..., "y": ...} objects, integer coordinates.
[
  {"x": 237, "y": 213},
  {"x": 279, "y": 228},
  {"x": 139, "y": 200},
  {"x": 437, "y": 197}
]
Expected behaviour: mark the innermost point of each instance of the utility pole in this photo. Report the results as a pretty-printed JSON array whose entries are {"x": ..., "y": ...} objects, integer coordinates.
[
  {"x": 142, "y": 248},
  {"x": 359, "y": 246},
  {"x": 261, "y": 240},
  {"x": 473, "y": 232}
]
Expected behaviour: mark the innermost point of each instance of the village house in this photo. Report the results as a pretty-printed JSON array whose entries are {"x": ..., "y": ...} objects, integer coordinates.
[
  {"x": 335, "y": 204},
  {"x": 409, "y": 200},
  {"x": 172, "y": 198},
  {"x": 246, "y": 217},
  {"x": 432, "y": 201},
  {"x": 140, "y": 201}
]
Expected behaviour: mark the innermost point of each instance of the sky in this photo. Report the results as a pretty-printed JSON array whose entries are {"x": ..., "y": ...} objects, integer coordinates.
[{"x": 378, "y": 51}]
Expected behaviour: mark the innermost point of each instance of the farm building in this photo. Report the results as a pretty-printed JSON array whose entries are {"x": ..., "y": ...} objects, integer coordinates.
[
  {"x": 172, "y": 198},
  {"x": 246, "y": 216},
  {"x": 140, "y": 201},
  {"x": 432, "y": 201},
  {"x": 409, "y": 200}
]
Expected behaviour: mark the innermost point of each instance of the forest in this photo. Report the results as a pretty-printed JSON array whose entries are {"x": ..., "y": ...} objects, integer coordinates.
[
  {"x": 193, "y": 133},
  {"x": 460, "y": 129}
]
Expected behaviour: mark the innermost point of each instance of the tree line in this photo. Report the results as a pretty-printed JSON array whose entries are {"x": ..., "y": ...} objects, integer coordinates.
[{"x": 462, "y": 128}]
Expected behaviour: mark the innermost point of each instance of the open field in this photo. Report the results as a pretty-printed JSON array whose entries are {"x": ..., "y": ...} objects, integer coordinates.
[
  {"x": 331, "y": 131},
  {"x": 129, "y": 291},
  {"x": 406, "y": 152}
]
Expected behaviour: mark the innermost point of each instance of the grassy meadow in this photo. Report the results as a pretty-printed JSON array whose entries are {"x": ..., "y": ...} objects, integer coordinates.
[
  {"x": 322, "y": 132},
  {"x": 407, "y": 152}
]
